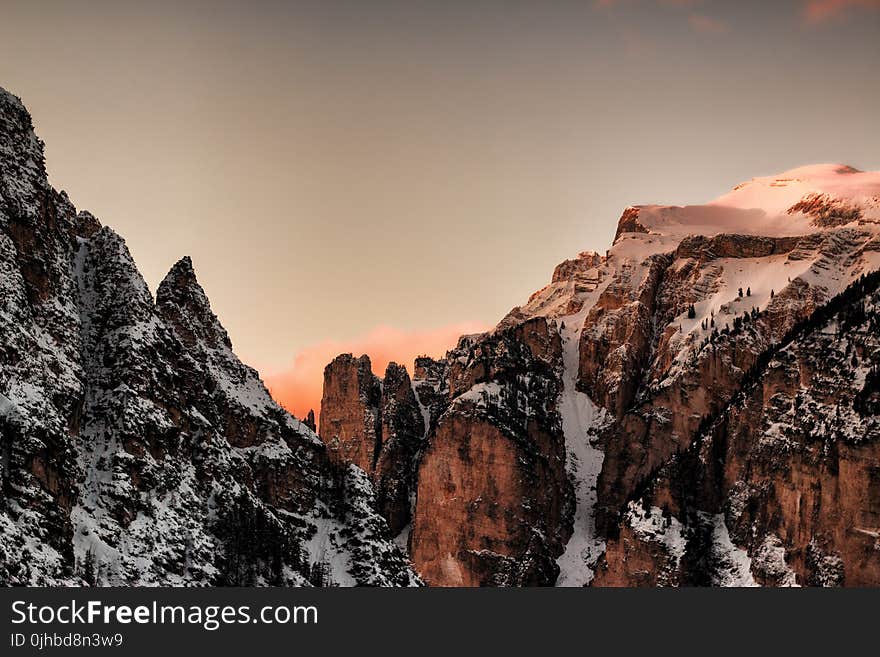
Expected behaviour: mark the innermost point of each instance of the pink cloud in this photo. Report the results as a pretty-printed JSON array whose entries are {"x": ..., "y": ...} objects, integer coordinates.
[
  {"x": 823, "y": 11},
  {"x": 299, "y": 387},
  {"x": 814, "y": 12},
  {"x": 706, "y": 24}
]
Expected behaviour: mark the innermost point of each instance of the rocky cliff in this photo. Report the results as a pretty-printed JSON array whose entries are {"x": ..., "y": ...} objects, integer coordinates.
[
  {"x": 697, "y": 406},
  {"x": 135, "y": 448},
  {"x": 377, "y": 426}
]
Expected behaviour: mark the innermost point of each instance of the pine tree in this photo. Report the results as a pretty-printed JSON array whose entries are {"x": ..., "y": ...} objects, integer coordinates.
[
  {"x": 90, "y": 570},
  {"x": 749, "y": 292},
  {"x": 320, "y": 575}
]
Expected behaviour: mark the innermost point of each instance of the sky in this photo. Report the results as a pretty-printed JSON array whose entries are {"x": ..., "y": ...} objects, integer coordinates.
[{"x": 382, "y": 176}]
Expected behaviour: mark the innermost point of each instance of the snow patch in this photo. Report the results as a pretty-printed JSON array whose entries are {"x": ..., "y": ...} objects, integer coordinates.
[
  {"x": 583, "y": 461},
  {"x": 652, "y": 526}
]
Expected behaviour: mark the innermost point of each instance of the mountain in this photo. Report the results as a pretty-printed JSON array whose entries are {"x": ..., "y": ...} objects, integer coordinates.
[
  {"x": 697, "y": 406},
  {"x": 135, "y": 447}
]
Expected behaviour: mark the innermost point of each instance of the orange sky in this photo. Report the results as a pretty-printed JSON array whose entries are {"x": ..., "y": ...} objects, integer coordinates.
[{"x": 298, "y": 387}]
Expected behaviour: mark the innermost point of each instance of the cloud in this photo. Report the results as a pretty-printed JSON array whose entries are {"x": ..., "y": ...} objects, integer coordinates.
[
  {"x": 706, "y": 24},
  {"x": 813, "y": 12},
  {"x": 299, "y": 387},
  {"x": 817, "y": 12}
]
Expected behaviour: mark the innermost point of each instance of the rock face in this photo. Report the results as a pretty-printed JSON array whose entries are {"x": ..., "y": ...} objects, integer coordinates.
[
  {"x": 618, "y": 334},
  {"x": 690, "y": 377},
  {"x": 350, "y": 415},
  {"x": 376, "y": 425},
  {"x": 788, "y": 467},
  {"x": 696, "y": 407},
  {"x": 471, "y": 524},
  {"x": 135, "y": 448},
  {"x": 494, "y": 505},
  {"x": 629, "y": 223},
  {"x": 402, "y": 438}
]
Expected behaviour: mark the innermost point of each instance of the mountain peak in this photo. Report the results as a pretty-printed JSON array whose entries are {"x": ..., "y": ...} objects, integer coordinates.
[
  {"x": 819, "y": 170},
  {"x": 182, "y": 268},
  {"x": 775, "y": 195},
  {"x": 22, "y": 164},
  {"x": 182, "y": 302},
  {"x": 769, "y": 205},
  {"x": 11, "y": 104},
  {"x": 17, "y": 138}
]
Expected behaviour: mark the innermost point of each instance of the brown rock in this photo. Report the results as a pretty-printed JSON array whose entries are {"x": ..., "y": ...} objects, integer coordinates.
[
  {"x": 618, "y": 334},
  {"x": 632, "y": 561},
  {"x": 350, "y": 419},
  {"x": 431, "y": 384},
  {"x": 494, "y": 505},
  {"x": 629, "y": 223},
  {"x": 734, "y": 246},
  {"x": 484, "y": 501},
  {"x": 791, "y": 463},
  {"x": 309, "y": 420},
  {"x": 376, "y": 425},
  {"x": 577, "y": 267},
  {"x": 402, "y": 436}
]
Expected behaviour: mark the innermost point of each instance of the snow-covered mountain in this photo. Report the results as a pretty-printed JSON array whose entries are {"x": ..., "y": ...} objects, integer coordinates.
[
  {"x": 598, "y": 434},
  {"x": 135, "y": 448},
  {"x": 699, "y": 405}
]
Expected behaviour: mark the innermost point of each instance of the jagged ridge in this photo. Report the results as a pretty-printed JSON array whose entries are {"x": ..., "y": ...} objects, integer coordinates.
[{"x": 136, "y": 447}]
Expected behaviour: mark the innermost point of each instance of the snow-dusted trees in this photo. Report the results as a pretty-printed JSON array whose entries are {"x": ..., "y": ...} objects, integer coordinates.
[
  {"x": 90, "y": 568},
  {"x": 258, "y": 547}
]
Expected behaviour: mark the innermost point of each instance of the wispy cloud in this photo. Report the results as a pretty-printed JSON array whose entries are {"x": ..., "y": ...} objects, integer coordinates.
[
  {"x": 816, "y": 12},
  {"x": 812, "y": 12},
  {"x": 299, "y": 386}
]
